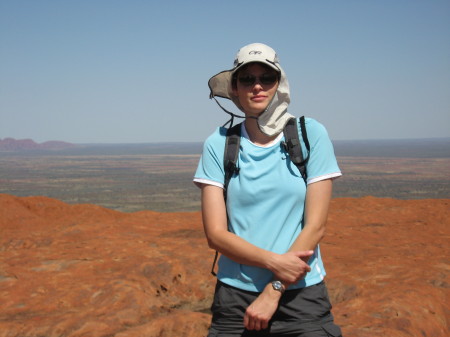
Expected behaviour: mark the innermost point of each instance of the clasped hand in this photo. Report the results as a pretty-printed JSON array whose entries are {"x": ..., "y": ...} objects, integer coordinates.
[{"x": 291, "y": 267}]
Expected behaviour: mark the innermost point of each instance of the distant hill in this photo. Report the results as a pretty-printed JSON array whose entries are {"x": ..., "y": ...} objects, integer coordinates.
[
  {"x": 12, "y": 145},
  {"x": 396, "y": 148}
]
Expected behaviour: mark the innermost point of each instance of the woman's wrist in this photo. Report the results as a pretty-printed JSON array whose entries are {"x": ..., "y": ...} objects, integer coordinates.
[
  {"x": 278, "y": 286},
  {"x": 272, "y": 261},
  {"x": 272, "y": 293}
]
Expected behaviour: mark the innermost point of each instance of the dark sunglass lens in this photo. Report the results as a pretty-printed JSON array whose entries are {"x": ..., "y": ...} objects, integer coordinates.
[
  {"x": 268, "y": 78},
  {"x": 265, "y": 79},
  {"x": 247, "y": 80}
]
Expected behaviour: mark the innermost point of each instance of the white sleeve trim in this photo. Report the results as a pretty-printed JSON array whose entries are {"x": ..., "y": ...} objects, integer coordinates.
[
  {"x": 324, "y": 177},
  {"x": 199, "y": 182}
]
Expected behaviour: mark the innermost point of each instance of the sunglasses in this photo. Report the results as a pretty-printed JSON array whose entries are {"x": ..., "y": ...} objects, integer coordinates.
[{"x": 265, "y": 79}]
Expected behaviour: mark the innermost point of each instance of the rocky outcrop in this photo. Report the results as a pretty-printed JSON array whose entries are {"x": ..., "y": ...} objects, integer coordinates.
[
  {"x": 83, "y": 270},
  {"x": 12, "y": 145}
]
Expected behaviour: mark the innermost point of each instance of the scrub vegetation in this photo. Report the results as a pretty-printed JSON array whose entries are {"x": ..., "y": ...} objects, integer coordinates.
[{"x": 158, "y": 177}]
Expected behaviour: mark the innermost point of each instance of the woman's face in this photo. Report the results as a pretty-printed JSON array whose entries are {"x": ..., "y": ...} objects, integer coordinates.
[{"x": 255, "y": 87}]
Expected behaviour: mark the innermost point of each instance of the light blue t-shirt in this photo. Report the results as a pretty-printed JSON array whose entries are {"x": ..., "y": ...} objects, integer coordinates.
[{"x": 265, "y": 202}]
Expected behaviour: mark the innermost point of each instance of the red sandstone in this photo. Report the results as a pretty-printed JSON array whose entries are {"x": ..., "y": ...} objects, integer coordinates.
[{"x": 83, "y": 270}]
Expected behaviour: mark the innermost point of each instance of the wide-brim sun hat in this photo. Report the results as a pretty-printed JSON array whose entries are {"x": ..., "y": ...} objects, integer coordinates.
[
  {"x": 272, "y": 120},
  {"x": 221, "y": 84}
]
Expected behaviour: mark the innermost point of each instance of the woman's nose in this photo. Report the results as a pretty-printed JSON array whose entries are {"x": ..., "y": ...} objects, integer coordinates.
[{"x": 257, "y": 86}]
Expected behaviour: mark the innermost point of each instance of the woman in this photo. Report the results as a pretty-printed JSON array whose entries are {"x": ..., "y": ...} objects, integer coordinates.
[{"x": 270, "y": 276}]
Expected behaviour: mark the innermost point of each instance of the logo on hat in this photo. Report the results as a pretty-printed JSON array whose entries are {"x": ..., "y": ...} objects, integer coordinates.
[{"x": 255, "y": 52}]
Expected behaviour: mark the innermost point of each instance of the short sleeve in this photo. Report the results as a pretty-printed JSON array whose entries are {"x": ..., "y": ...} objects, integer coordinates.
[
  {"x": 322, "y": 163},
  {"x": 210, "y": 167}
]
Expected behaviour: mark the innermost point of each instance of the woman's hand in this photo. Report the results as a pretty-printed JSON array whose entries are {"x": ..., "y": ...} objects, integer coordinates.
[
  {"x": 260, "y": 312},
  {"x": 291, "y": 267}
]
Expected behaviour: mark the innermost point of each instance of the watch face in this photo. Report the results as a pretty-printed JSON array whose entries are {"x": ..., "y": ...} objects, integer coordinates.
[{"x": 277, "y": 286}]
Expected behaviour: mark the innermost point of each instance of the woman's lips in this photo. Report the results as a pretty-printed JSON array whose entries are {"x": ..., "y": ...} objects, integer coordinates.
[{"x": 258, "y": 98}]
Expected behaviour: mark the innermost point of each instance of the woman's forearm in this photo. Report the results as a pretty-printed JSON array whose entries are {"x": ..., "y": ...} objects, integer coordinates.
[
  {"x": 225, "y": 242},
  {"x": 286, "y": 267},
  {"x": 240, "y": 250}
]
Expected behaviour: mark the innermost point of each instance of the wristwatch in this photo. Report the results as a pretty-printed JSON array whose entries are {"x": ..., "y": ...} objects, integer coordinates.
[{"x": 278, "y": 286}]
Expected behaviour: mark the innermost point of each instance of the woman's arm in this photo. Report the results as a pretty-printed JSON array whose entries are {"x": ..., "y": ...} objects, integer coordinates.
[
  {"x": 287, "y": 267},
  {"x": 318, "y": 196}
]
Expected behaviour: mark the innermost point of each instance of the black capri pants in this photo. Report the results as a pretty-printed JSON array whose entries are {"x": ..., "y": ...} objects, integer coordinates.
[{"x": 302, "y": 312}]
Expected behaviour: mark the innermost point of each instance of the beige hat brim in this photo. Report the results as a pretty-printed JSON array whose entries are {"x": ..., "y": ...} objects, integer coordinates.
[{"x": 220, "y": 84}]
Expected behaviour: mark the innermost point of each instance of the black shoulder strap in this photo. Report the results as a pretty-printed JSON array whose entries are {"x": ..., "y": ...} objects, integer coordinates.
[
  {"x": 293, "y": 146},
  {"x": 231, "y": 154},
  {"x": 230, "y": 158}
]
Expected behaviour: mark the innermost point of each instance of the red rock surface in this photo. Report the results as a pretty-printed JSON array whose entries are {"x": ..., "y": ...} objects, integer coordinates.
[{"x": 83, "y": 270}]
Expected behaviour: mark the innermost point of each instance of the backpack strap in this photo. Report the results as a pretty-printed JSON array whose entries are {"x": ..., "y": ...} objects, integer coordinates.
[
  {"x": 293, "y": 146},
  {"x": 230, "y": 158}
]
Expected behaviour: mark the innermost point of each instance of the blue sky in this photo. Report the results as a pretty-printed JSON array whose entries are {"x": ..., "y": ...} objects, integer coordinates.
[{"x": 109, "y": 71}]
